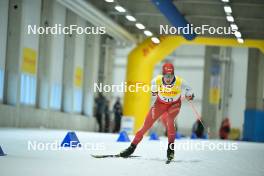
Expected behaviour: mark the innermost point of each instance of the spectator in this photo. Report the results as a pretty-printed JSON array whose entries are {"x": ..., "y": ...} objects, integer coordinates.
[
  {"x": 198, "y": 129},
  {"x": 107, "y": 116},
  {"x": 118, "y": 112},
  {"x": 224, "y": 129},
  {"x": 100, "y": 103}
]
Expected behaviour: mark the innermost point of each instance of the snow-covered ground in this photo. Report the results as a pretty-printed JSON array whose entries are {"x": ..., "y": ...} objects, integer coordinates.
[{"x": 247, "y": 160}]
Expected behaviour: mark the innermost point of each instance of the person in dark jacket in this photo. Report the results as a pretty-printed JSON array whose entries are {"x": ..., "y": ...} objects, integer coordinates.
[
  {"x": 118, "y": 112},
  {"x": 107, "y": 116},
  {"x": 100, "y": 103}
]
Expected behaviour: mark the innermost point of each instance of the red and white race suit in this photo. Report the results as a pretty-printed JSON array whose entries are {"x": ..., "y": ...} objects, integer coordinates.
[{"x": 167, "y": 106}]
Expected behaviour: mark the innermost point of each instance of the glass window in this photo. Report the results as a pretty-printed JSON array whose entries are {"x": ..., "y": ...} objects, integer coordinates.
[
  {"x": 55, "y": 98},
  {"x": 77, "y": 105},
  {"x": 28, "y": 89}
]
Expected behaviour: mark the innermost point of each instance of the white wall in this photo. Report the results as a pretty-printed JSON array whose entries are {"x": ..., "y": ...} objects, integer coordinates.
[
  {"x": 237, "y": 99},
  {"x": 119, "y": 69}
]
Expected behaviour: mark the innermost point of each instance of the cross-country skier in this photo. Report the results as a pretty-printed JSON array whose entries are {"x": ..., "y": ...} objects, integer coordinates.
[{"x": 168, "y": 89}]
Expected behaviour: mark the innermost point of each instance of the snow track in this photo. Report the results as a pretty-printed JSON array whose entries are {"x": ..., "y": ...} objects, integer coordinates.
[{"x": 247, "y": 160}]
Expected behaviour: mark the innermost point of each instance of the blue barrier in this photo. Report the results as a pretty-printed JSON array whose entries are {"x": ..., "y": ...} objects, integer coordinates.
[
  {"x": 123, "y": 137},
  {"x": 71, "y": 140},
  {"x": 2, "y": 152},
  {"x": 178, "y": 135},
  {"x": 193, "y": 136},
  {"x": 153, "y": 136}
]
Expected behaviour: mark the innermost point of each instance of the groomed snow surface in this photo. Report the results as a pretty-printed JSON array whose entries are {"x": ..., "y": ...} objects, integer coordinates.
[{"x": 247, "y": 160}]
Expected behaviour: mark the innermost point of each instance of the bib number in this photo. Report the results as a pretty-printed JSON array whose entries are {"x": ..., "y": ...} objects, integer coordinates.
[{"x": 168, "y": 100}]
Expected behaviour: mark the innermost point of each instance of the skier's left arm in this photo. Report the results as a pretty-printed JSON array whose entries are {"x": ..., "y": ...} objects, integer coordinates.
[
  {"x": 154, "y": 87},
  {"x": 189, "y": 95}
]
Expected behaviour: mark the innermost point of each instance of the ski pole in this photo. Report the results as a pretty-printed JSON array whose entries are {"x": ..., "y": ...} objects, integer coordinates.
[{"x": 197, "y": 115}]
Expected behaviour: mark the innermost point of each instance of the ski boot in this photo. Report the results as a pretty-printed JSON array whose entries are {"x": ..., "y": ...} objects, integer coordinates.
[
  {"x": 127, "y": 152},
  {"x": 170, "y": 152}
]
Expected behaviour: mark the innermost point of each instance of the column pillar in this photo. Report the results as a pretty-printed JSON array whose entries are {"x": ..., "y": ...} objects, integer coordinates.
[
  {"x": 22, "y": 52},
  {"x": 91, "y": 64},
  {"x": 3, "y": 39},
  {"x": 73, "y": 66},
  {"x": 51, "y": 57},
  {"x": 254, "y": 113},
  {"x": 216, "y": 87}
]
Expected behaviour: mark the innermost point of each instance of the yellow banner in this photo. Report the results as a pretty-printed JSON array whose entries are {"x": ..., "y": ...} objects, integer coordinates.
[
  {"x": 78, "y": 77},
  {"x": 29, "y": 61},
  {"x": 214, "y": 95}
]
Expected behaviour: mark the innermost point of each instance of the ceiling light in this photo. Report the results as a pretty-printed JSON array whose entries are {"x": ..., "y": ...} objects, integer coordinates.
[
  {"x": 238, "y": 34},
  {"x": 234, "y": 27},
  {"x": 148, "y": 33},
  {"x": 140, "y": 26},
  {"x": 109, "y": 0},
  {"x": 97, "y": 18},
  {"x": 227, "y": 9},
  {"x": 230, "y": 18},
  {"x": 240, "y": 40},
  {"x": 130, "y": 18},
  {"x": 225, "y": 0},
  {"x": 155, "y": 40},
  {"x": 120, "y": 8}
]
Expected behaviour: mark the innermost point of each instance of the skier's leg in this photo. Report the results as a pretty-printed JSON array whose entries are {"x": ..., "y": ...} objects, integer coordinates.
[
  {"x": 163, "y": 119},
  {"x": 170, "y": 125},
  {"x": 153, "y": 114},
  {"x": 172, "y": 114}
]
